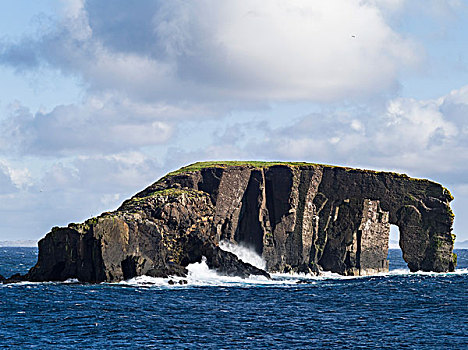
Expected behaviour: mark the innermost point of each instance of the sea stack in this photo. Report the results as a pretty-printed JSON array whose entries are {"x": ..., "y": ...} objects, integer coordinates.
[{"x": 299, "y": 217}]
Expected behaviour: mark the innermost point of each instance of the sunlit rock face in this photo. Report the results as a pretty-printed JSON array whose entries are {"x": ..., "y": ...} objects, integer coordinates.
[{"x": 298, "y": 217}]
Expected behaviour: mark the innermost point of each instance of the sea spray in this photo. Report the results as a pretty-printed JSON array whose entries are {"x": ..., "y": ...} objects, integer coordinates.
[
  {"x": 199, "y": 274},
  {"x": 244, "y": 253}
]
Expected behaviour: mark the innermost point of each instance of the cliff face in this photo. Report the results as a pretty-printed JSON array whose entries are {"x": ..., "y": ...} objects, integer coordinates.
[
  {"x": 156, "y": 235},
  {"x": 299, "y": 217}
]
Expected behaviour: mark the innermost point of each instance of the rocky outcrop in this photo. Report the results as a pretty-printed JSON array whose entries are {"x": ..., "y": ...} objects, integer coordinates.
[
  {"x": 156, "y": 235},
  {"x": 299, "y": 217}
]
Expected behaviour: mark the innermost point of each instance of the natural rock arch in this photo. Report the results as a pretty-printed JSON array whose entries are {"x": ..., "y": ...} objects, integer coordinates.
[{"x": 300, "y": 217}]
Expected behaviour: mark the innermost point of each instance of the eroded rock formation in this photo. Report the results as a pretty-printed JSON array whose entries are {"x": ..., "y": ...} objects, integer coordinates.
[{"x": 299, "y": 217}]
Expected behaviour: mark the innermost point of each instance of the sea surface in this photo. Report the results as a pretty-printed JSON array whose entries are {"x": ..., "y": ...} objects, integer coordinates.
[{"x": 397, "y": 310}]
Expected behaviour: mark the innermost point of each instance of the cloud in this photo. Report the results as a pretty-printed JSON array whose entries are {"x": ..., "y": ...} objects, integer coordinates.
[
  {"x": 149, "y": 65},
  {"x": 6, "y": 183},
  {"x": 422, "y": 137},
  {"x": 99, "y": 177},
  {"x": 436, "y": 8},
  {"x": 161, "y": 78},
  {"x": 389, "y": 5},
  {"x": 125, "y": 172},
  {"x": 72, "y": 190},
  {"x": 100, "y": 125},
  {"x": 208, "y": 50}
]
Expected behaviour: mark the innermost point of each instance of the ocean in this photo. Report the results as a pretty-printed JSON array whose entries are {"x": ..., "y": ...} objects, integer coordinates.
[{"x": 397, "y": 310}]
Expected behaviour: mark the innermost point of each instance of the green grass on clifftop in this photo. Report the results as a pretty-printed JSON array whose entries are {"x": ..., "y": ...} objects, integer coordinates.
[
  {"x": 262, "y": 164},
  {"x": 224, "y": 164},
  {"x": 171, "y": 192}
]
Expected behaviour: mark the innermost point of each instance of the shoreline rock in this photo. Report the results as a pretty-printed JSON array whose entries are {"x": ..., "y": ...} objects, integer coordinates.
[{"x": 299, "y": 217}]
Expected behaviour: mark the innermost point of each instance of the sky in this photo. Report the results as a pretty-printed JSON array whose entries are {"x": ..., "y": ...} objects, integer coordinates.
[{"x": 100, "y": 99}]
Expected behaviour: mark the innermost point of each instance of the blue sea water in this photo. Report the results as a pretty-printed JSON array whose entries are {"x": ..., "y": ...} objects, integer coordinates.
[{"x": 398, "y": 310}]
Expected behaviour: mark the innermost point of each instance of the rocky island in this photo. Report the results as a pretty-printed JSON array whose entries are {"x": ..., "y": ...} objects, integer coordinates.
[{"x": 300, "y": 217}]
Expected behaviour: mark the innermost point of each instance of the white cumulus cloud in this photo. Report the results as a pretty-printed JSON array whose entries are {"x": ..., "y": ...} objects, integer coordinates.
[
  {"x": 100, "y": 125},
  {"x": 207, "y": 50},
  {"x": 7, "y": 185}
]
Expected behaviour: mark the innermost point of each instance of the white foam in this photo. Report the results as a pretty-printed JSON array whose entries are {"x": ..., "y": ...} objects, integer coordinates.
[
  {"x": 398, "y": 272},
  {"x": 402, "y": 272},
  {"x": 199, "y": 274},
  {"x": 244, "y": 253},
  {"x": 71, "y": 281},
  {"x": 146, "y": 281},
  {"x": 326, "y": 275}
]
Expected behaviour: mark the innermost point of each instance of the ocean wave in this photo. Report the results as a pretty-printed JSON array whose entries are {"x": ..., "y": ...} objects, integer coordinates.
[
  {"x": 462, "y": 271},
  {"x": 200, "y": 275}
]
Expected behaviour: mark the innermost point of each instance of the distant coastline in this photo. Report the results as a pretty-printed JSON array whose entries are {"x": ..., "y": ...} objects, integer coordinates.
[
  {"x": 461, "y": 245},
  {"x": 19, "y": 243}
]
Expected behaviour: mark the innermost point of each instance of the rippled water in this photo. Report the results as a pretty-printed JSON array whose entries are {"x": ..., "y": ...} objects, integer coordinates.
[{"x": 395, "y": 310}]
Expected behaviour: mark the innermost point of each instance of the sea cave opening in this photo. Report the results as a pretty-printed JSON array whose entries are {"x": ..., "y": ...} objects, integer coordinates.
[{"x": 395, "y": 254}]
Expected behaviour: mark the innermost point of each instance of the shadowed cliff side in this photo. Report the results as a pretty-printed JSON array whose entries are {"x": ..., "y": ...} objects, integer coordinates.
[
  {"x": 299, "y": 217},
  {"x": 306, "y": 217}
]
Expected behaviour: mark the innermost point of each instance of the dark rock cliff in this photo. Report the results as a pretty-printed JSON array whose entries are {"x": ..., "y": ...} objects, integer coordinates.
[{"x": 299, "y": 217}]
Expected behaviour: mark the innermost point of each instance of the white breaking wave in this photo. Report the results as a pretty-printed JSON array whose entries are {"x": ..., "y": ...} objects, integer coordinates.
[
  {"x": 244, "y": 253},
  {"x": 463, "y": 271},
  {"x": 199, "y": 274}
]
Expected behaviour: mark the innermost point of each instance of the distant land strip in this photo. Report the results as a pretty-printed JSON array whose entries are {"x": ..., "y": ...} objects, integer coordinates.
[
  {"x": 23, "y": 243},
  {"x": 461, "y": 245}
]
